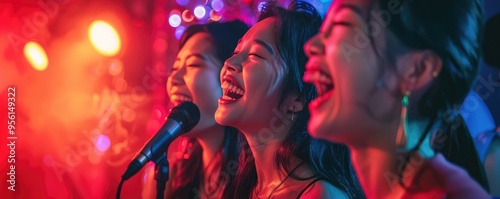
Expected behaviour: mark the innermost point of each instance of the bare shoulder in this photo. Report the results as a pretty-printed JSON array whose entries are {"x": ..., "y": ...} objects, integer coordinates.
[
  {"x": 323, "y": 189},
  {"x": 491, "y": 165}
]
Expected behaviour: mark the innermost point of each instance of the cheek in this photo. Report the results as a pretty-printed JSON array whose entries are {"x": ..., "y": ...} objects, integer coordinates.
[
  {"x": 263, "y": 80},
  {"x": 355, "y": 74},
  {"x": 168, "y": 86},
  {"x": 205, "y": 87}
]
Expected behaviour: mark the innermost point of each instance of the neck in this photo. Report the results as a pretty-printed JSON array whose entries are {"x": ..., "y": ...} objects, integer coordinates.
[
  {"x": 269, "y": 175},
  {"x": 379, "y": 165},
  {"x": 380, "y": 180},
  {"x": 211, "y": 141}
]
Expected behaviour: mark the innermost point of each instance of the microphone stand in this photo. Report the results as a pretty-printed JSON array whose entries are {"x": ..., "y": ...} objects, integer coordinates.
[{"x": 161, "y": 176}]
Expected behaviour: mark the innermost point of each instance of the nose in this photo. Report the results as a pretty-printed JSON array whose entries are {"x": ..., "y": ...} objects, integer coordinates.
[
  {"x": 177, "y": 77},
  {"x": 233, "y": 65},
  {"x": 314, "y": 46}
]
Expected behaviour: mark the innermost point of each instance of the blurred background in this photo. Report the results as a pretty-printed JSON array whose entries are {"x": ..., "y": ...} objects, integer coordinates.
[{"x": 90, "y": 86}]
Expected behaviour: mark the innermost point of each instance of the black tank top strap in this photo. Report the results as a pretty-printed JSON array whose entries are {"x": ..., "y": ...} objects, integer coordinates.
[{"x": 308, "y": 186}]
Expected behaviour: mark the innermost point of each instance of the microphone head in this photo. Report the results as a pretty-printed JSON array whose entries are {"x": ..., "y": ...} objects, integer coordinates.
[{"x": 187, "y": 114}]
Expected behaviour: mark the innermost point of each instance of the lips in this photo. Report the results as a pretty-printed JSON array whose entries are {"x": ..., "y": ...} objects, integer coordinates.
[
  {"x": 232, "y": 91},
  {"x": 177, "y": 99},
  {"x": 320, "y": 78}
]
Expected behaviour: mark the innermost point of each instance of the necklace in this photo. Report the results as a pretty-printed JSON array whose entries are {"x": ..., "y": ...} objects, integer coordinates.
[{"x": 281, "y": 183}]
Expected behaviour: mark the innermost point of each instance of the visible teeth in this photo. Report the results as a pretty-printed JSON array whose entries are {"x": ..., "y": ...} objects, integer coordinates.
[
  {"x": 323, "y": 78},
  {"x": 227, "y": 97},
  {"x": 182, "y": 98},
  {"x": 228, "y": 86}
]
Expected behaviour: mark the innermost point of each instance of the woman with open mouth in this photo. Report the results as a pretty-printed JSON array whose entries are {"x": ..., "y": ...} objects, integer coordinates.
[
  {"x": 265, "y": 98},
  {"x": 199, "y": 168},
  {"x": 391, "y": 76}
]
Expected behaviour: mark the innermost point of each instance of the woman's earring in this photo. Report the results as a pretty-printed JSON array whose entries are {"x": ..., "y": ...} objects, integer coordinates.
[
  {"x": 435, "y": 74},
  {"x": 293, "y": 112},
  {"x": 401, "y": 136}
]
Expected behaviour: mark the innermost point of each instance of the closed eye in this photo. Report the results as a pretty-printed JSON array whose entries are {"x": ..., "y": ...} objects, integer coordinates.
[
  {"x": 253, "y": 54},
  {"x": 342, "y": 23}
]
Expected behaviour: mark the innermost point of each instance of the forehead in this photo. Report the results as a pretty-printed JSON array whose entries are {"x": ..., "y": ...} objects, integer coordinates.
[
  {"x": 360, "y": 7},
  {"x": 263, "y": 30},
  {"x": 198, "y": 43}
]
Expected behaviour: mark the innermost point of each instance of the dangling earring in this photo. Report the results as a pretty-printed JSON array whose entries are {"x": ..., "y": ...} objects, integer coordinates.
[
  {"x": 435, "y": 74},
  {"x": 401, "y": 136},
  {"x": 293, "y": 112}
]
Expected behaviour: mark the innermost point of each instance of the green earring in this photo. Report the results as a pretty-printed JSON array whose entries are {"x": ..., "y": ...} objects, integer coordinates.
[{"x": 401, "y": 136}]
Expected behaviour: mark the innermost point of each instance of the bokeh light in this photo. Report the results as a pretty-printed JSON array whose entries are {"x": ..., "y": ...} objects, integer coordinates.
[
  {"x": 182, "y": 2},
  {"x": 120, "y": 84},
  {"x": 104, "y": 38},
  {"x": 179, "y": 31},
  {"x": 160, "y": 45},
  {"x": 36, "y": 56},
  {"x": 128, "y": 115},
  {"x": 102, "y": 143},
  {"x": 187, "y": 16},
  {"x": 217, "y": 5},
  {"x": 116, "y": 67},
  {"x": 214, "y": 16},
  {"x": 261, "y": 6},
  {"x": 174, "y": 20},
  {"x": 199, "y": 12}
]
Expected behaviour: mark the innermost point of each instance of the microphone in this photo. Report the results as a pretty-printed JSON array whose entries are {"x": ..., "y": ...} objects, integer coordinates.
[{"x": 181, "y": 119}]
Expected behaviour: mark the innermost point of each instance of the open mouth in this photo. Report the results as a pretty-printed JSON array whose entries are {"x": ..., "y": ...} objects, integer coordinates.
[
  {"x": 177, "y": 99},
  {"x": 231, "y": 89},
  {"x": 320, "y": 79}
]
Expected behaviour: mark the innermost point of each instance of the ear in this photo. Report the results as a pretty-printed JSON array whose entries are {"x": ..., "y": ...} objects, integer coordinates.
[
  {"x": 419, "y": 68},
  {"x": 294, "y": 103}
]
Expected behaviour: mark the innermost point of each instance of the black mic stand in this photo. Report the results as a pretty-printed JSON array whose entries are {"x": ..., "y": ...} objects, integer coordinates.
[{"x": 161, "y": 175}]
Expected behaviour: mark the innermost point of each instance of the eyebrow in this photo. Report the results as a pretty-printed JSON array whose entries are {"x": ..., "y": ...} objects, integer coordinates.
[
  {"x": 354, "y": 8},
  {"x": 200, "y": 56},
  {"x": 267, "y": 46}
]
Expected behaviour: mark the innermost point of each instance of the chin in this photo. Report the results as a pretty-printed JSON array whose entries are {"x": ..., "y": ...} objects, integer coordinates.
[
  {"x": 319, "y": 129},
  {"x": 221, "y": 118},
  {"x": 326, "y": 130}
]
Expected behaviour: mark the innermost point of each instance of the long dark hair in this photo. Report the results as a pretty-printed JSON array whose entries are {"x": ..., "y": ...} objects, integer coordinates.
[
  {"x": 453, "y": 30},
  {"x": 330, "y": 162},
  {"x": 189, "y": 172}
]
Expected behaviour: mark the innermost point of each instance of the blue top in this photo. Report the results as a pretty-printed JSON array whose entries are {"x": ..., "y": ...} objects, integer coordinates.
[{"x": 480, "y": 123}]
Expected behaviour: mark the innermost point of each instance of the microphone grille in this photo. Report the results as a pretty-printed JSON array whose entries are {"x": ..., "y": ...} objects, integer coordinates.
[{"x": 187, "y": 113}]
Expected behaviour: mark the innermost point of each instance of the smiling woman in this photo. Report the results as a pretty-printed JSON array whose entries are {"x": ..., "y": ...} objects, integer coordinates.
[
  {"x": 199, "y": 169},
  {"x": 390, "y": 94},
  {"x": 265, "y": 98}
]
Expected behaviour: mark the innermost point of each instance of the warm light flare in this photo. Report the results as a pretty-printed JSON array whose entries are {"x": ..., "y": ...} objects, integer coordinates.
[
  {"x": 104, "y": 38},
  {"x": 36, "y": 56}
]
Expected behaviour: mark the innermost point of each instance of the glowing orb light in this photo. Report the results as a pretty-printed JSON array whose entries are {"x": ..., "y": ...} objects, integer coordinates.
[
  {"x": 174, "y": 20},
  {"x": 102, "y": 143},
  {"x": 217, "y": 5},
  {"x": 199, "y": 12},
  {"x": 104, "y": 38},
  {"x": 179, "y": 31},
  {"x": 36, "y": 56}
]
